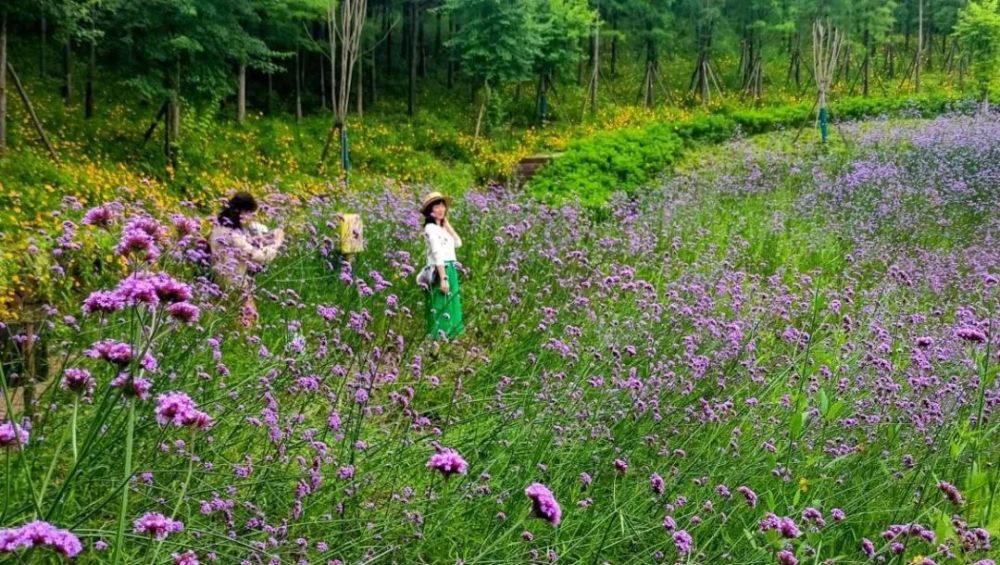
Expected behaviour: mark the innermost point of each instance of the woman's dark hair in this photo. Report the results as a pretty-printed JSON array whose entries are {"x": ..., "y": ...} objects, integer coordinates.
[
  {"x": 239, "y": 203},
  {"x": 428, "y": 219}
]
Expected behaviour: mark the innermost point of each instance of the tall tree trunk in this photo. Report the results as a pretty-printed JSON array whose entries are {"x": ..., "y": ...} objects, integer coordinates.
[
  {"x": 332, "y": 37},
  {"x": 451, "y": 55},
  {"x": 44, "y": 46},
  {"x": 795, "y": 62},
  {"x": 649, "y": 78},
  {"x": 421, "y": 49},
  {"x": 241, "y": 93},
  {"x": 269, "y": 106},
  {"x": 3, "y": 81},
  {"x": 322, "y": 81},
  {"x": 437, "y": 37},
  {"x": 361, "y": 83},
  {"x": 88, "y": 105},
  {"x": 867, "y": 62},
  {"x": 175, "y": 105},
  {"x": 543, "y": 98},
  {"x": 614, "y": 46},
  {"x": 596, "y": 69},
  {"x": 298, "y": 85},
  {"x": 920, "y": 46},
  {"x": 411, "y": 106},
  {"x": 387, "y": 26},
  {"x": 67, "y": 89}
]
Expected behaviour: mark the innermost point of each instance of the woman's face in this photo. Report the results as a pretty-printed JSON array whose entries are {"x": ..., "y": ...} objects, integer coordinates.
[
  {"x": 438, "y": 211},
  {"x": 247, "y": 214}
]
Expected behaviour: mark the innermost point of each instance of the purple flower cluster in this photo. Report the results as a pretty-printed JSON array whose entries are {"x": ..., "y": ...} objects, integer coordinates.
[
  {"x": 79, "y": 381},
  {"x": 178, "y": 409},
  {"x": 656, "y": 484},
  {"x": 683, "y": 542},
  {"x": 952, "y": 492},
  {"x": 749, "y": 495},
  {"x": 448, "y": 462},
  {"x": 144, "y": 289},
  {"x": 140, "y": 238},
  {"x": 543, "y": 503},
  {"x": 39, "y": 534},
  {"x": 785, "y": 525},
  {"x": 111, "y": 351},
  {"x": 157, "y": 525},
  {"x": 13, "y": 435}
]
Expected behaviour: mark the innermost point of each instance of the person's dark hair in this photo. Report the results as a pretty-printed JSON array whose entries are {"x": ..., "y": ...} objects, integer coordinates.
[
  {"x": 239, "y": 203},
  {"x": 428, "y": 219}
]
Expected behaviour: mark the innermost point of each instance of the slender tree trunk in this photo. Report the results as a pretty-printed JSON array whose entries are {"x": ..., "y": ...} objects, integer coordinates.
[
  {"x": 437, "y": 37},
  {"x": 269, "y": 106},
  {"x": 451, "y": 55},
  {"x": 298, "y": 85},
  {"x": 241, "y": 94},
  {"x": 332, "y": 36},
  {"x": 175, "y": 106},
  {"x": 421, "y": 49},
  {"x": 482, "y": 111},
  {"x": 67, "y": 89},
  {"x": 387, "y": 26},
  {"x": 44, "y": 46},
  {"x": 920, "y": 46},
  {"x": 596, "y": 69},
  {"x": 361, "y": 82},
  {"x": 372, "y": 91},
  {"x": 411, "y": 106},
  {"x": 543, "y": 99},
  {"x": 867, "y": 63},
  {"x": 88, "y": 111},
  {"x": 3, "y": 81},
  {"x": 614, "y": 47},
  {"x": 322, "y": 82}
]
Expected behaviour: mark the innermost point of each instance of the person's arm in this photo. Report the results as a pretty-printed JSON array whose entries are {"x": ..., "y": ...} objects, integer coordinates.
[{"x": 265, "y": 254}]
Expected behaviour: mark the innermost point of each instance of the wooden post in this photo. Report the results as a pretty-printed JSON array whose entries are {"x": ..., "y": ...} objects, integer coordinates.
[
  {"x": 351, "y": 236},
  {"x": 31, "y": 112}
]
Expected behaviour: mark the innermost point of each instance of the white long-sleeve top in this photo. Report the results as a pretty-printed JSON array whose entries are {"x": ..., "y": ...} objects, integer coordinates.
[
  {"x": 440, "y": 245},
  {"x": 232, "y": 252}
]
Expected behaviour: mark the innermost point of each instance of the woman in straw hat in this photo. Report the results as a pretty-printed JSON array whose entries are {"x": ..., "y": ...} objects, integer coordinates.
[{"x": 444, "y": 301}]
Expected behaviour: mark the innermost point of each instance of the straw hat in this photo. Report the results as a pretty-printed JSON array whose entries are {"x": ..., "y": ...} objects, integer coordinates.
[{"x": 433, "y": 197}]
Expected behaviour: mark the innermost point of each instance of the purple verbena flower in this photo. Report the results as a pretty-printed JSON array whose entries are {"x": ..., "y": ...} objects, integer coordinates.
[
  {"x": 543, "y": 503},
  {"x": 37, "y": 534},
  {"x": 449, "y": 462},
  {"x": 157, "y": 525}
]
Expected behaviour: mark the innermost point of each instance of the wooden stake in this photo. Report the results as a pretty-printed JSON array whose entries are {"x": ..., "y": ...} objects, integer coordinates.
[{"x": 31, "y": 112}]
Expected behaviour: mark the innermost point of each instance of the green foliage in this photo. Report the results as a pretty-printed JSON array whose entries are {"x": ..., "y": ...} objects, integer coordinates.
[
  {"x": 597, "y": 167},
  {"x": 498, "y": 40},
  {"x": 594, "y": 168},
  {"x": 978, "y": 29}
]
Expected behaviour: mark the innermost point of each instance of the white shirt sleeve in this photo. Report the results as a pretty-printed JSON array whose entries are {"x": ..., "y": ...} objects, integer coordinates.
[
  {"x": 257, "y": 254},
  {"x": 458, "y": 240},
  {"x": 433, "y": 244}
]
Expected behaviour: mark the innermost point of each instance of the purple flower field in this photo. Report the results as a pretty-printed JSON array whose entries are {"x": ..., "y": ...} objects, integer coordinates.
[{"x": 777, "y": 355}]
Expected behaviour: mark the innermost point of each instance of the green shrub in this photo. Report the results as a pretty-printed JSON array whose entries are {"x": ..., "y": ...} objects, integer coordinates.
[{"x": 596, "y": 167}]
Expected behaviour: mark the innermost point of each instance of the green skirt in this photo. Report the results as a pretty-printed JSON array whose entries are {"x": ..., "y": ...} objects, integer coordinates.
[{"x": 444, "y": 312}]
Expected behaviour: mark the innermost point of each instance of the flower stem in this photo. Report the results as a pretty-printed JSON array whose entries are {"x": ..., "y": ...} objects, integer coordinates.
[
  {"x": 180, "y": 499},
  {"x": 76, "y": 407},
  {"x": 123, "y": 512}
]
